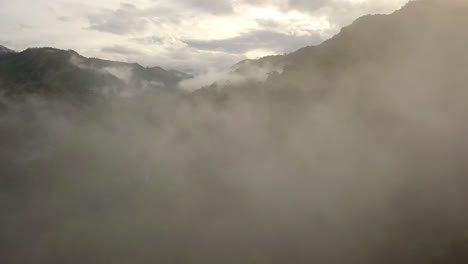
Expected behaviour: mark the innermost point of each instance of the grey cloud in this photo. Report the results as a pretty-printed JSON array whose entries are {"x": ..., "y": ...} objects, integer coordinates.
[
  {"x": 120, "y": 50},
  {"x": 23, "y": 26},
  {"x": 268, "y": 23},
  {"x": 216, "y": 7},
  {"x": 209, "y": 6},
  {"x": 124, "y": 20},
  {"x": 160, "y": 14},
  {"x": 308, "y": 4},
  {"x": 300, "y": 5},
  {"x": 256, "y": 40},
  {"x": 148, "y": 40},
  {"x": 130, "y": 19},
  {"x": 63, "y": 18}
]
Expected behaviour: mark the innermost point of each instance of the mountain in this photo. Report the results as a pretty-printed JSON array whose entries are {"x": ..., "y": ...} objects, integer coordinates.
[
  {"x": 180, "y": 74},
  {"x": 425, "y": 37},
  {"x": 54, "y": 71},
  {"x": 400, "y": 82},
  {"x": 5, "y": 50}
]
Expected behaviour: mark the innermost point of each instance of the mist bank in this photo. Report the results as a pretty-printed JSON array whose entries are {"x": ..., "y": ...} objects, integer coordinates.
[{"x": 238, "y": 179}]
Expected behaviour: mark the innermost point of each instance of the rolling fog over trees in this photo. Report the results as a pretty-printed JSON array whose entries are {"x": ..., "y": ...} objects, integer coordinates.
[{"x": 351, "y": 151}]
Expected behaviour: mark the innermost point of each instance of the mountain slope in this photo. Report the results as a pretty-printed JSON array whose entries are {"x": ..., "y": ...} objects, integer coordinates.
[
  {"x": 399, "y": 81},
  {"x": 54, "y": 71},
  {"x": 5, "y": 50},
  {"x": 423, "y": 34}
]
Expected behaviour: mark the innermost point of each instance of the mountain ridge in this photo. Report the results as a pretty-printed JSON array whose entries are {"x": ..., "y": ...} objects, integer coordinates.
[
  {"x": 424, "y": 9},
  {"x": 4, "y": 50},
  {"x": 40, "y": 69},
  {"x": 378, "y": 40}
]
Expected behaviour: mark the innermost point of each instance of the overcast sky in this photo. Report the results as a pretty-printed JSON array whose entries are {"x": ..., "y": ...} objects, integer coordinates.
[{"x": 181, "y": 34}]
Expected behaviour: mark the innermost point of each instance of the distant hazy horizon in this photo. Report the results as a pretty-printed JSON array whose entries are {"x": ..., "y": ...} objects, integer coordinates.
[{"x": 187, "y": 35}]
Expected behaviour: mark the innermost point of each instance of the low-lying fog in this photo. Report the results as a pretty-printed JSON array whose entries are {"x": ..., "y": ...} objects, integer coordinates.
[{"x": 173, "y": 179}]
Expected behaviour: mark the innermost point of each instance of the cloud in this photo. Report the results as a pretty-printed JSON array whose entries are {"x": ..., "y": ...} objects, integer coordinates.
[
  {"x": 308, "y": 4},
  {"x": 130, "y": 19},
  {"x": 117, "y": 49},
  {"x": 343, "y": 12},
  {"x": 124, "y": 20},
  {"x": 148, "y": 40},
  {"x": 215, "y": 7},
  {"x": 63, "y": 18},
  {"x": 251, "y": 73},
  {"x": 261, "y": 39},
  {"x": 122, "y": 72}
]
